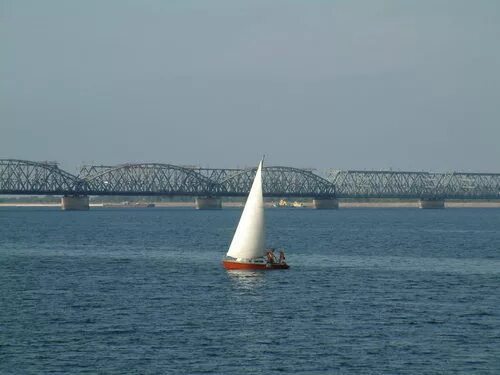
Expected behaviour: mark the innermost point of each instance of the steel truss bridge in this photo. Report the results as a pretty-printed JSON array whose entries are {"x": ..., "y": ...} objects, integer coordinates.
[{"x": 18, "y": 177}]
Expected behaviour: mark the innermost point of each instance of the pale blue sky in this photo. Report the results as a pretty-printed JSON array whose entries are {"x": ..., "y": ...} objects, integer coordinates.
[{"x": 411, "y": 85}]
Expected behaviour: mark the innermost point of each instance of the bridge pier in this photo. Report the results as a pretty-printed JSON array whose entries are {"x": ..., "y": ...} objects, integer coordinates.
[
  {"x": 75, "y": 203},
  {"x": 325, "y": 203},
  {"x": 208, "y": 203},
  {"x": 426, "y": 203}
]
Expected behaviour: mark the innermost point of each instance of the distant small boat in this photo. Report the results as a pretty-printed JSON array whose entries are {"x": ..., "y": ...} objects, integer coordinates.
[
  {"x": 285, "y": 204},
  {"x": 281, "y": 204},
  {"x": 247, "y": 250}
]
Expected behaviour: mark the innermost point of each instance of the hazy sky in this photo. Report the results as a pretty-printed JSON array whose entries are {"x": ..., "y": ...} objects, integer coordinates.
[{"x": 411, "y": 85}]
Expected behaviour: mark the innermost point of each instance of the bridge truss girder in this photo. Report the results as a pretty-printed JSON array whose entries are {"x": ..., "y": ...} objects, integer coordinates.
[
  {"x": 415, "y": 185},
  {"x": 277, "y": 181},
  {"x": 33, "y": 178},
  {"x": 144, "y": 179}
]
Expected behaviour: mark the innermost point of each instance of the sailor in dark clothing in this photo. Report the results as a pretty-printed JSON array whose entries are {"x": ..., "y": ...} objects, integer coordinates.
[{"x": 282, "y": 257}]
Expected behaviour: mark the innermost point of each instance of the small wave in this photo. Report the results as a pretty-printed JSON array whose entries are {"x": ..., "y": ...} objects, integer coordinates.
[{"x": 467, "y": 266}]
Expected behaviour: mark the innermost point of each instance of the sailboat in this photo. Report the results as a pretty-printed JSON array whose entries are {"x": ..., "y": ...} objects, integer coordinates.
[{"x": 247, "y": 250}]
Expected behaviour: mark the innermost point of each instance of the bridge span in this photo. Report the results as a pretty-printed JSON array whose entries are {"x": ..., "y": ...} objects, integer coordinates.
[
  {"x": 209, "y": 185},
  {"x": 415, "y": 185}
]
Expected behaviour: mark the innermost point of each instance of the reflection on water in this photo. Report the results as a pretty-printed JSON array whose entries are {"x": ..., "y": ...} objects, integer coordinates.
[{"x": 246, "y": 280}]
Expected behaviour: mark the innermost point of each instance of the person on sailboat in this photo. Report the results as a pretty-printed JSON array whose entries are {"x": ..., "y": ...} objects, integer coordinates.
[
  {"x": 282, "y": 256},
  {"x": 271, "y": 258}
]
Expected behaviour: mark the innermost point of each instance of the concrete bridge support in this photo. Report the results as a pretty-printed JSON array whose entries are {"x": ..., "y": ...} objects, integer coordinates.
[
  {"x": 75, "y": 203},
  {"x": 208, "y": 203},
  {"x": 325, "y": 203},
  {"x": 430, "y": 203}
]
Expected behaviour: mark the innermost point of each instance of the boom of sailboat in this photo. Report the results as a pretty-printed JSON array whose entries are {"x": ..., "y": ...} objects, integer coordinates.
[{"x": 247, "y": 250}]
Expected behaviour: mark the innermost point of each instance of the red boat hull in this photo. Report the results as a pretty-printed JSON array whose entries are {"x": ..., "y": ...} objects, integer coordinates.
[{"x": 234, "y": 265}]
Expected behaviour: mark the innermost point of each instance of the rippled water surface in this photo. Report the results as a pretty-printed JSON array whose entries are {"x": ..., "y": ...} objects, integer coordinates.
[{"x": 370, "y": 291}]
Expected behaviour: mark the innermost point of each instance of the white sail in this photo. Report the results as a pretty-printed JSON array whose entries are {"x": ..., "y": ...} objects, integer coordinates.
[{"x": 248, "y": 240}]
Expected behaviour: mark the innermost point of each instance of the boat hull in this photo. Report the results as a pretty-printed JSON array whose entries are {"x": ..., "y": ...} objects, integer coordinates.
[{"x": 234, "y": 265}]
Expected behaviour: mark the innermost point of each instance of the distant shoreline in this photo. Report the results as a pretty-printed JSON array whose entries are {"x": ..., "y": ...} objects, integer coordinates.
[{"x": 307, "y": 205}]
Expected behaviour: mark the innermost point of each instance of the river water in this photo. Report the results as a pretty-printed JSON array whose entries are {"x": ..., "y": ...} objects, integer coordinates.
[{"x": 142, "y": 291}]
